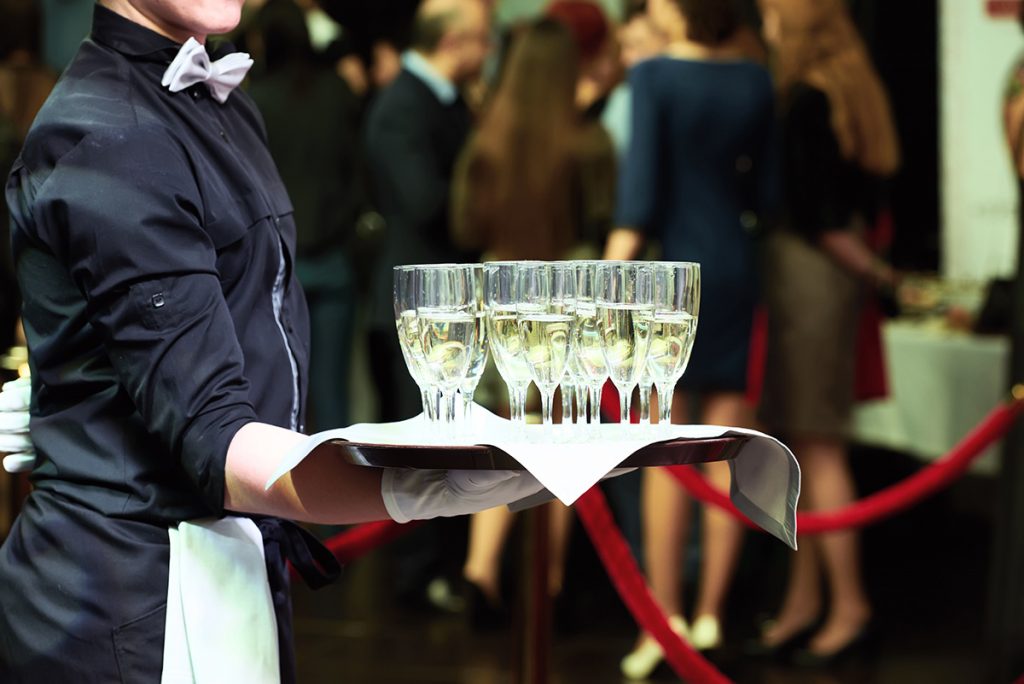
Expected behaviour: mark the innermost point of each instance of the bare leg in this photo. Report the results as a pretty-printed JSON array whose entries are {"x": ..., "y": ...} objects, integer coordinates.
[
  {"x": 665, "y": 512},
  {"x": 802, "y": 602},
  {"x": 488, "y": 531},
  {"x": 723, "y": 536},
  {"x": 666, "y": 518},
  {"x": 828, "y": 484}
]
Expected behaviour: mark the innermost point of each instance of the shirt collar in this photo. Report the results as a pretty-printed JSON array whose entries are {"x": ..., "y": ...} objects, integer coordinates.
[
  {"x": 443, "y": 89},
  {"x": 134, "y": 40}
]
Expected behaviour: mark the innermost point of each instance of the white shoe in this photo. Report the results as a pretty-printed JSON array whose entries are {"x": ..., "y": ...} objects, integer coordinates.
[
  {"x": 706, "y": 633},
  {"x": 641, "y": 661}
]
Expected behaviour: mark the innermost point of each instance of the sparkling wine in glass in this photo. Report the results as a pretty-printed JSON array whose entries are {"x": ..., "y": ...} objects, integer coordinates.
[
  {"x": 586, "y": 343},
  {"x": 479, "y": 353},
  {"x": 447, "y": 327},
  {"x": 501, "y": 288},
  {"x": 676, "y": 299},
  {"x": 545, "y": 326},
  {"x": 407, "y": 327},
  {"x": 624, "y": 313}
]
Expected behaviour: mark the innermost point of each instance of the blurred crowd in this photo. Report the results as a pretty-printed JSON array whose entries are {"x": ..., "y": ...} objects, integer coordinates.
[{"x": 754, "y": 137}]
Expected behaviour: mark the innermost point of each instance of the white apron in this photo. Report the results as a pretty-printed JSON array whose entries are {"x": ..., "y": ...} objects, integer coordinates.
[{"x": 220, "y": 624}]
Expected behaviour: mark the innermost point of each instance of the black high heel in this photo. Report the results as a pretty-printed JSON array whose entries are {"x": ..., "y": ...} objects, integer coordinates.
[
  {"x": 757, "y": 648},
  {"x": 484, "y": 615},
  {"x": 856, "y": 648}
]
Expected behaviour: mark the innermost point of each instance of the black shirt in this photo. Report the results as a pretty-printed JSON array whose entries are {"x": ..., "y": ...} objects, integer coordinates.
[
  {"x": 149, "y": 231},
  {"x": 153, "y": 241},
  {"x": 823, "y": 190}
]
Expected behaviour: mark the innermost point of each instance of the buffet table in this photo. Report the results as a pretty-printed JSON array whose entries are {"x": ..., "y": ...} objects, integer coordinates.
[{"x": 941, "y": 384}]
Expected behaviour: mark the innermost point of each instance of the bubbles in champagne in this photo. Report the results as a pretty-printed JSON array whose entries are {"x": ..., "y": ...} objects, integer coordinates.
[{"x": 545, "y": 339}]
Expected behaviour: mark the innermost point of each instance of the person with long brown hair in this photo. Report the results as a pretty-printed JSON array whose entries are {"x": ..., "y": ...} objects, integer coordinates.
[
  {"x": 839, "y": 143},
  {"x": 533, "y": 183},
  {"x": 520, "y": 190}
]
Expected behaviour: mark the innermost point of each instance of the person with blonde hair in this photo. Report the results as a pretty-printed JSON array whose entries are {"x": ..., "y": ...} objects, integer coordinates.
[{"x": 839, "y": 143}]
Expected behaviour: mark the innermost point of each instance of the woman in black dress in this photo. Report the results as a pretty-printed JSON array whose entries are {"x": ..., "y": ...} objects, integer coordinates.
[{"x": 839, "y": 142}]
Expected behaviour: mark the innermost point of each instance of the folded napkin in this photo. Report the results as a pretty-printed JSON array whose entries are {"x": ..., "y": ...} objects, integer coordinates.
[
  {"x": 220, "y": 624},
  {"x": 568, "y": 460}
]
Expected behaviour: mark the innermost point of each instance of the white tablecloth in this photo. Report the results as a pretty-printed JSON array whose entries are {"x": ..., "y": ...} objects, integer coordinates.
[{"x": 941, "y": 384}]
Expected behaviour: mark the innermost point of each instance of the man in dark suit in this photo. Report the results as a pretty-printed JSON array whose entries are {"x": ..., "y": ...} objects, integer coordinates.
[{"x": 414, "y": 133}]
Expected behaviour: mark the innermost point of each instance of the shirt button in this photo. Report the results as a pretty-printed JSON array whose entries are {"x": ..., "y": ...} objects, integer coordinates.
[
  {"x": 224, "y": 135},
  {"x": 194, "y": 93}
]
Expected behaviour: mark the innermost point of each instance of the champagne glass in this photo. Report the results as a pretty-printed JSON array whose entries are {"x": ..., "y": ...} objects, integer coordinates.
[
  {"x": 501, "y": 286},
  {"x": 545, "y": 326},
  {"x": 407, "y": 325},
  {"x": 676, "y": 300},
  {"x": 586, "y": 341},
  {"x": 478, "y": 355},
  {"x": 624, "y": 313},
  {"x": 445, "y": 307}
]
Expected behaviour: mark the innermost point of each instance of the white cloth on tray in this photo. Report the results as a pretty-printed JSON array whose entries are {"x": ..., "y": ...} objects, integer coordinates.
[{"x": 569, "y": 459}]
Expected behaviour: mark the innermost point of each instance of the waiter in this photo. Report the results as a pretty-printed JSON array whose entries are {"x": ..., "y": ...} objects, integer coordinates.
[{"x": 154, "y": 245}]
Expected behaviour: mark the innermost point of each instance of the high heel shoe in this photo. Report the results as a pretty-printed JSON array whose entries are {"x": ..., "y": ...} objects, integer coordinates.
[
  {"x": 642, "y": 660},
  {"x": 858, "y": 646},
  {"x": 706, "y": 633},
  {"x": 484, "y": 614},
  {"x": 782, "y": 650}
]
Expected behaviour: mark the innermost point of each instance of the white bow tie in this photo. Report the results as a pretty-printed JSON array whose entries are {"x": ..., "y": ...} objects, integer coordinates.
[{"x": 192, "y": 65}]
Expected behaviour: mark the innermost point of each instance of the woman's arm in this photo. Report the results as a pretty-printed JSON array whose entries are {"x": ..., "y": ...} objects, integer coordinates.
[
  {"x": 624, "y": 243},
  {"x": 850, "y": 252}
]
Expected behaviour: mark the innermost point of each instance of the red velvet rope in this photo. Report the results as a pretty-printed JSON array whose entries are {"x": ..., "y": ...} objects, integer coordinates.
[
  {"x": 885, "y": 502},
  {"x": 622, "y": 569},
  {"x": 618, "y": 561},
  {"x": 356, "y": 541}
]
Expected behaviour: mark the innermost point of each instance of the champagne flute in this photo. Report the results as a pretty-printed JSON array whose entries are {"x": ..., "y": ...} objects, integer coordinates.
[
  {"x": 445, "y": 308},
  {"x": 478, "y": 355},
  {"x": 624, "y": 312},
  {"x": 586, "y": 341},
  {"x": 407, "y": 326},
  {"x": 545, "y": 326},
  {"x": 676, "y": 299},
  {"x": 501, "y": 287}
]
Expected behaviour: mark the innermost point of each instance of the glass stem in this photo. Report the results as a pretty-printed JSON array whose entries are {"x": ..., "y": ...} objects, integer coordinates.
[
  {"x": 665, "y": 392},
  {"x": 547, "y": 399},
  {"x": 517, "y": 403},
  {"x": 645, "y": 404},
  {"x": 581, "y": 403},
  {"x": 625, "y": 396},
  {"x": 427, "y": 410},
  {"x": 449, "y": 408},
  {"x": 467, "y": 403},
  {"x": 567, "y": 392},
  {"x": 595, "y": 403}
]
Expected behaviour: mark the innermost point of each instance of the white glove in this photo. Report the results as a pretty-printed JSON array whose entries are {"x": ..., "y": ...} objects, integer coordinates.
[
  {"x": 421, "y": 494},
  {"x": 15, "y": 441}
]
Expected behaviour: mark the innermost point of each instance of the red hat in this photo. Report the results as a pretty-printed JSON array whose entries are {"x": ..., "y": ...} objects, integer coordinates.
[{"x": 585, "y": 20}]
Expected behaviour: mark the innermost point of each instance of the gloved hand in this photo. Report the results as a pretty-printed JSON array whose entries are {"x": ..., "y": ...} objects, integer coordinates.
[
  {"x": 14, "y": 438},
  {"x": 421, "y": 494}
]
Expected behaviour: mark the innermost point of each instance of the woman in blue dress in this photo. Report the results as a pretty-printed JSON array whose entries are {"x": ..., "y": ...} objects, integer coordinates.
[{"x": 698, "y": 174}]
